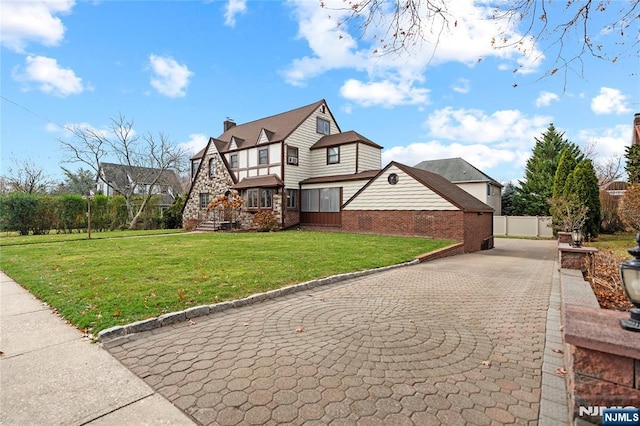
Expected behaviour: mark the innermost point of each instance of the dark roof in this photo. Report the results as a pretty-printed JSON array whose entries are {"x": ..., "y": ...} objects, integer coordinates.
[
  {"x": 456, "y": 170},
  {"x": 277, "y": 128},
  {"x": 268, "y": 181},
  {"x": 343, "y": 139},
  {"x": 438, "y": 184},
  {"x": 366, "y": 175},
  {"x": 119, "y": 175}
]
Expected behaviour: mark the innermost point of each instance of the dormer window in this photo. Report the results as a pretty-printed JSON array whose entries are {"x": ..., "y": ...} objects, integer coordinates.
[
  {"x": 323, "y": 126},
  {"x": 333, "y": 155}
]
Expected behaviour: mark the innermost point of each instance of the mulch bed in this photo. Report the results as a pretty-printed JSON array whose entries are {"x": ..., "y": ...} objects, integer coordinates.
[{"x": 604, "y": 278}]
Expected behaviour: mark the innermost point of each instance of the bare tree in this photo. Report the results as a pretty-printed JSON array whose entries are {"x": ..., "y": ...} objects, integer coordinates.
[
  {"x": 404, "y": 23},
  {"x": 609, "y": 170},
  {"x": 144, "y": 157},
  {"x": 26, "y": 176}
]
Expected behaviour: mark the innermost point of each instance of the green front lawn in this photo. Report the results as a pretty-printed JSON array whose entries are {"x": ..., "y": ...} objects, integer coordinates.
[{"x": 99, "y": 283}]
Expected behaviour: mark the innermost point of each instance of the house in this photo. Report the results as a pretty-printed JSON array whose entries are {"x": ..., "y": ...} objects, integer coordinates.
[
  {"x": 300, "y": 166},
  {"x": 113, "y": 179},
  {"x": 469, "y": 178}
]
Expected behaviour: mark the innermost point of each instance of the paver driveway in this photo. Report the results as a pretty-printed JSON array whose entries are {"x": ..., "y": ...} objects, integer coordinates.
[{"x": 457, "y": 341}]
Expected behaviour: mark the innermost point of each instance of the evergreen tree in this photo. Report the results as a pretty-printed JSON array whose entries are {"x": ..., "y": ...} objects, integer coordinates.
[
  {"x": 566, "y": 165},
  {"x": 507, "y": 199},
  {"x": 537, "y": 188},
  {"x": 632, "y": 154},
  {"x": 584, "y": 186}
]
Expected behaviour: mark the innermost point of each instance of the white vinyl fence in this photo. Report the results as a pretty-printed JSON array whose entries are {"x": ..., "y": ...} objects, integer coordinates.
[{"x": 523, "y": 226}]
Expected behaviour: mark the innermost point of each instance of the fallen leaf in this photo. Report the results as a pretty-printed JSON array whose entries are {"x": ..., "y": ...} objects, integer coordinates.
[
  {"x": 558, "y": 351},
  {"x": 117, "y": 313},
  {"x": 192, "y": 322},
  {"x": 486, "y": 363},
  {"x": 1, "y": 353},
  {"x": 299, "y": 330},
  {"x": 561, "y": 371},
  {"x": 411, "y": 321}
]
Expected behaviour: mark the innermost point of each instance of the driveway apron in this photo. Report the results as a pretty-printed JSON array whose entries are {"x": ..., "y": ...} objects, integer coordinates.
[{"x": 457, "y": 341}]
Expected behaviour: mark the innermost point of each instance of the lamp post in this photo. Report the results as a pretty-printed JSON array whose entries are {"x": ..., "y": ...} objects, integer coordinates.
[
  {"x": 630, "y": 276},
  {"x": 576, "y": 236},
  {"x": 89, "y": 198}
]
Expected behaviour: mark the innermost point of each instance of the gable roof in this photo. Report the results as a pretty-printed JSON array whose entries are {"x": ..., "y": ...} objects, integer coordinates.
[
  {"x": 343, "y": 139},
  {"x": 456, "y": 170},
  {"x": 438, "y": 184},
  {"x": 120, "y": 174},
  {"x": 277, "y": 127}
]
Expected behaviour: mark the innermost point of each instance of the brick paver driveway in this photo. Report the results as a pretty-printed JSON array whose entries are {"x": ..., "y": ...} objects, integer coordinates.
[{"x": 456, "y": 341}]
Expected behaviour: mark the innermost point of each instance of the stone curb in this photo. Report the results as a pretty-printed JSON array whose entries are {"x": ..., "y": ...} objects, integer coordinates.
[{"x": 122, "y": 331}]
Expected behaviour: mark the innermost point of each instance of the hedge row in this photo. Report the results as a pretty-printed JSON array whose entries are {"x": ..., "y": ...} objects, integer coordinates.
[{"x": 40, "y": 214}]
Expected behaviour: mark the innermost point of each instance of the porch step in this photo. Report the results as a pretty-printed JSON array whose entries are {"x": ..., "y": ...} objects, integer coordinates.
[{"x": 207, "y": 226}]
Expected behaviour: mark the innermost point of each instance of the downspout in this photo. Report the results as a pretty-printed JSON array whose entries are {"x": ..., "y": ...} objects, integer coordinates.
[{"x": 283, "y": 200}]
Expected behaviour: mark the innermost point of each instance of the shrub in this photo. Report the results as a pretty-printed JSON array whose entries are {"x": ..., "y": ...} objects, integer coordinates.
[
  {"x": 265, "y": 221},
  {"x": 18, "y": 211},
  {"x": 190, "y": 224},
  {"x": 629, "y": 207}
]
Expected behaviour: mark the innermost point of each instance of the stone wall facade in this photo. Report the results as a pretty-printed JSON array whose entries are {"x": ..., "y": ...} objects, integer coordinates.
[{"x": 219, "y": 184}]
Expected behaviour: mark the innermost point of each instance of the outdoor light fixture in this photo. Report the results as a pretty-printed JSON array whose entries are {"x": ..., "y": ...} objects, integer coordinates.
[
  {"x": 630, "y": 276},
  {"x": 576, "y": 236}
]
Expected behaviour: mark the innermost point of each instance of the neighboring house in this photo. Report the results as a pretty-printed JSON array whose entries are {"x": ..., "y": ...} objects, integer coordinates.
[
  {"x": 469, "y": 178},
  {"x": 635, "y": 139},
  {"x": 302, "y": 168},
  {"x": 113, "y": 178}
]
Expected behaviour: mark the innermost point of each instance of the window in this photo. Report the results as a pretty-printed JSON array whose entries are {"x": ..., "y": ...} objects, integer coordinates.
[
  {"x": 194, "y": 168},
  {"x": 259, "y": 198},
  {"x": 212, "y": 167},
  {"x": 234, "y": 161},
  {"x": 204, "y": 200},
  {"x": 292, "y": 155},
  {"x": 266, "y": 196},
  {"x": 252, "y": 198},
  {"x": 292, "y": 198},
  {"x": 322, "y": 126},
  {"x": 321, "y": 200},
  {"x": 263, "y": 156},
  {"x": 333, "y": 155}
]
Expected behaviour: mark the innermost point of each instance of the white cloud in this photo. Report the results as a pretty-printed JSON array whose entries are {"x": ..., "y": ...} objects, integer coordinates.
[
  {"x": 196, "y": 142},
  {"x": 545, "y": 98},
  {"x": 463, "y": 86},
  {"x": 22, "y": 22},
  {"x": 610, "y": 142},
  {"x": 332, "y": 47},
  {"x": 610, "y": 101},
  {"x": 233, "y": 8},
  {"x": 170, "y": 78},
  {"x": 481, "y": 156},
  {"x": 49, "y": 76},
  {"x": 501, "y": 127},
  {"x": 384, "y": 93},
  {"x": 503, "y": 138}
]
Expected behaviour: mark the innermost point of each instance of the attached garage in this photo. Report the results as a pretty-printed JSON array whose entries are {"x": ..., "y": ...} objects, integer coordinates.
[{"x": 402, "y": 200}]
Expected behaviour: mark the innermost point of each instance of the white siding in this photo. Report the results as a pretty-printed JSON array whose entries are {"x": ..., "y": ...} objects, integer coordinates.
[
  {"x": 303, "y": 138},
  {"x": 263, "y": 137},
  {"x": 479, "y": 190},
  {"x": 347, "y": 164},
  {"x": 369, "y": 158},
  {"x": 407, "y": 194}
]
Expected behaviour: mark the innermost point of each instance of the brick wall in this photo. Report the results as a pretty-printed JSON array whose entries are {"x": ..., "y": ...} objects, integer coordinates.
[
  {"x": 469, "y": 228},
  {"x": 478, "y": 231}
]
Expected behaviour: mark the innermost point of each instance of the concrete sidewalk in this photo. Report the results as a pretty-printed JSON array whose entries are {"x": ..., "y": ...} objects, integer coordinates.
[{"x": 51, "y": 374}]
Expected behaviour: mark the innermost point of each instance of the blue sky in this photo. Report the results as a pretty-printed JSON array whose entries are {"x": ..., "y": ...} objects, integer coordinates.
[{"x": 183, "y": 67}]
